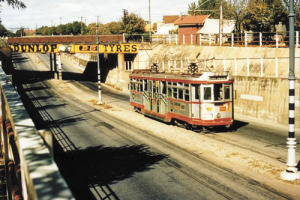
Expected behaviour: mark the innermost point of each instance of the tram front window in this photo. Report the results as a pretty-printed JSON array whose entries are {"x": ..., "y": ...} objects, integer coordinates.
[
  {"x": 207, "y": 93},
  {"x": 227, "y": 92},
  {"x": 218, "y": 92}
]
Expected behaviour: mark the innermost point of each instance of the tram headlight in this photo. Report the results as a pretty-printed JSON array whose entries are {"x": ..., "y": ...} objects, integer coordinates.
[
  {"x": 208, "y": 116},
  {"x": 218, "y": 115}
]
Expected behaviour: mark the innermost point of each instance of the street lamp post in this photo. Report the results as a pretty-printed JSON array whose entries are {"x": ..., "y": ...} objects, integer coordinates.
[
  {"x": 150, "y": 23},
  {"x": 291, "y": 173},
  {"x": 98, "y": 65}
]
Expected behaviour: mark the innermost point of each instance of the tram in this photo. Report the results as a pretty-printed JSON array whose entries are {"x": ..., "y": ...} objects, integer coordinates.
[{"x": 190, "y": 99}]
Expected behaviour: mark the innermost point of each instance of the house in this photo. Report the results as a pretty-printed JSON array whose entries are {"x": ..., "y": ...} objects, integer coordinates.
[
  {"x": 188, "y": 25},
  {"x": 212, "y": 27},
  {"x": 167, "y": 25}
]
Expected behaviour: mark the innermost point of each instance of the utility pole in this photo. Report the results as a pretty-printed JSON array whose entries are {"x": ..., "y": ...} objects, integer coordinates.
[
  {"x": 98, "y": 65},
  {"x": 150, "y": 34},
  {"x": 291, "y": 173},
  {"x": 81, "y": 25},
  {"x": 221, "y": 23}
]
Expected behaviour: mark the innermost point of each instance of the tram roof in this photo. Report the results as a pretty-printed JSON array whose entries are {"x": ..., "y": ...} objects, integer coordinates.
[{"x": 202, "y": 76}]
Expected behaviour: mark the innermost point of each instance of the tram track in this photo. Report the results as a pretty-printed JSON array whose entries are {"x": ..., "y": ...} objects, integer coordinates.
[
  {"x": 211, "y": 133},
  {"x": 160, "y": 146}
]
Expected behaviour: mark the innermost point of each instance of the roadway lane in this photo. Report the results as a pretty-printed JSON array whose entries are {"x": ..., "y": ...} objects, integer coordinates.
[{"x": 114, "y": 158}]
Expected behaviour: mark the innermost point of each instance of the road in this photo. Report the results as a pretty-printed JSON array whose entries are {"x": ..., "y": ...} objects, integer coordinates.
[{"x": 108, "y": 152}]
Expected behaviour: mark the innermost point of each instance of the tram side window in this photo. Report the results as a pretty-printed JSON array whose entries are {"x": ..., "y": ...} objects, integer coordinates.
[
  {"x": 195, "y": 92},
  {"x": 154, "y": 88},
  {"x": 207, "y": 93},
  {"x": 227, "y": 92},
  {"x": 180, "y": 93},
  {"x": 218, "y": 92},
  {"x": 175, "y": 96},
  {"x": 145, "y": 85},
  {"x": 164, "y": 87},
  {"x": 170, "y": 92},
  {"x": 136, "y": 87},
  {"x": 187, "y": 95},
  {"x": 141, "y": 86}
]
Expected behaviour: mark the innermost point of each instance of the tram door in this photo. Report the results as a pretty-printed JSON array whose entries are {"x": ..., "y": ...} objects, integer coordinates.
[
  {"x": 155, "y": 96},
  {"x": 147, "y": 97},
  {"x": 159, "y": 102},
  {"x": 196, "y": 101},
  {"x": 162, "y": 97}
]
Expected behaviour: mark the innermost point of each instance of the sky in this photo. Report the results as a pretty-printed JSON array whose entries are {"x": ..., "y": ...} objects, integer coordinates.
[{"x": 53, "y": 12}]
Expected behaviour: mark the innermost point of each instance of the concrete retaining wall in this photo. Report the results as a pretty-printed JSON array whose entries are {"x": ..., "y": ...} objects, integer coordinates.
[{"x": 265, "y": 98}]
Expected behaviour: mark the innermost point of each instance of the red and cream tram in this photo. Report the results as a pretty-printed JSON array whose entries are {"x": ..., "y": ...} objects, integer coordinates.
[{"x": 194, "y": 100}]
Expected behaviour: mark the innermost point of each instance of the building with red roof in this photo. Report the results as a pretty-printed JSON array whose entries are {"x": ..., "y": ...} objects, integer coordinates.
[{"x": 188, "y": 25}]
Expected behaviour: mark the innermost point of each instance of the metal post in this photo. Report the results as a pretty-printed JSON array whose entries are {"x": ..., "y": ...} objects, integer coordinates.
[
  {"x": 59, "y": 67},
  {"x": 98, "y": 65},
  {"x": 297, "y": 39},
  {"x": 55, "y": 66},
  {"x": 277, "y": 40},
  {"x": 246, "y": 39},
  {"x": 150, "y": 21},
  {"x": 200, "y": 38},
  {"x": 232, "y": 39},
  {"x": 276, "y": 67},
  {"x": 235, "y": 67},
  {"x": 291, "y": 173},
  {"x": 191, "y": 39},
  {"x": 181, "y": 64},
  {"x": 261, "y": 67},
  {"x": 248, "y": 67},
  {"x": 221, "y": 24},
  {"x": 51, "y": 65},
  {"x": 260, "y": 39}
]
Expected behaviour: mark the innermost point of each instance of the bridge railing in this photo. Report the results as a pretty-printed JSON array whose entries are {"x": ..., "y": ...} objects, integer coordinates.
[
  {"x": 30, "y": 169},
  {"x": 245, "y": 39}
]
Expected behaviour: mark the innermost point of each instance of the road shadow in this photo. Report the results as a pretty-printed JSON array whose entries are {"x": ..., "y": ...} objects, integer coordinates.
[
  {"x": 18, "y": 58},
  {"x": 101, "y": 166},
  {"x": 27, "y": 77}
]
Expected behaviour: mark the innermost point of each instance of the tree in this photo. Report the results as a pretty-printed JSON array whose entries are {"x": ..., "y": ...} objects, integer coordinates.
[
  {"x": 263, "y": 15},
  {"x": 212, "y": 8},
  {"x": 20, "y": 32},
  {"x": 132, "y": 24},
  {"x": 114, "y": 27},
  {"x": 297, "y": 12},
  {"x": 15, "y": 3},
  {"x": 238, "y": 11},
  {"x": 3, "y": 31}
]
